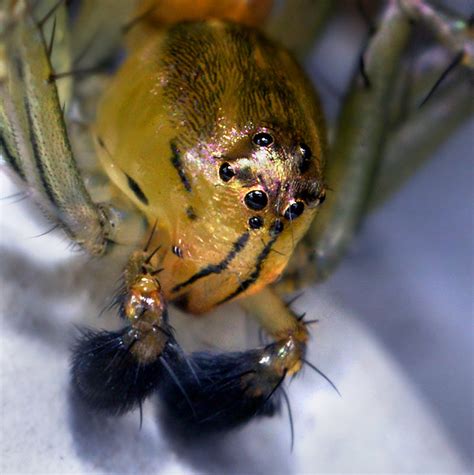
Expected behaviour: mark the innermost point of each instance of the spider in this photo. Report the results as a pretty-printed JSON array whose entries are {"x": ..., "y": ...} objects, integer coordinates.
[{"x": 214, "y": 174}]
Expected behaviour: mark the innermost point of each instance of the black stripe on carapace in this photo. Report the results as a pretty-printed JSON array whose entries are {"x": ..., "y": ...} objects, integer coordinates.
[
  {"x": 216, "y": 268},
  {"x": 135, "y": 187},
  {"x": 11, "y": 159},
  {"x": 178, "y": 164},
  {"x": 244, "y": 285},
  {"x": 37, "y": 157}
]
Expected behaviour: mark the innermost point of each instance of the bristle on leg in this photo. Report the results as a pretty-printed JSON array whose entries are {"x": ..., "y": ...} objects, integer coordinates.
[
  {"x": 107, "y": 376},
  {"x": 218, "y": 392}
]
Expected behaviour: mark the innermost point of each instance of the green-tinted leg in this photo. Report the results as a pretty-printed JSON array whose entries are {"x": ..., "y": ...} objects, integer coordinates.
[
  {"x": 408, "y": 147},
  {"x": 56, "y": 31},
  {"x": 372, "y": 156},
  {"x": 355, "y": 155},
  {"x": 34, "y": 138},
  {"x": 298, "y": 23},
  {"x": 96, "y": 33}
]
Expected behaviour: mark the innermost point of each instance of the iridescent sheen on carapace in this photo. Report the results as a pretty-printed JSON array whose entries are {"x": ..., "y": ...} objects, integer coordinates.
[{"x": 216, "y": 135}]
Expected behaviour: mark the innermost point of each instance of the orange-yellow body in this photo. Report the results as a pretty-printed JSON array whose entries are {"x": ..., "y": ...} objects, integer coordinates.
[
  {"x": 183, "y": 130},
  {"x": 247, "y": 12}
]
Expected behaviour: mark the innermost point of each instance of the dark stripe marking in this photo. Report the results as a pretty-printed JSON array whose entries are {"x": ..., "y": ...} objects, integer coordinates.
[
  {"x": 216, "y": 268},
  {"x": 37, "y": 157},
  {"x": 135, "y": 187},
  {"x": 178, "y": 164},
  {"x": 255, "y": 274},
  {"x": 11, "y": 159}
]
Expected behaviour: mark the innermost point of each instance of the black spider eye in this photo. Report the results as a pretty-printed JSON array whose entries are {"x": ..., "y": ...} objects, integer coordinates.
[
  {"x": 306, "y": 158},
  {"x": 276, "y": 228},
  {"x": 226, "y": 172},
  {"x": 321, "y": 197},
  {"x": 256, "y": 200},
  {"x": 255, "y": 222},
  {"x": 262, "y": 139},
  {"x": 305, "y": 151},
  {"x": 294, "y": 210}
]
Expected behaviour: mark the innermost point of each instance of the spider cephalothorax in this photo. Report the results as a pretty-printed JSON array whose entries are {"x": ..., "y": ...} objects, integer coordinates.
[{"x": 217, "y": 119}]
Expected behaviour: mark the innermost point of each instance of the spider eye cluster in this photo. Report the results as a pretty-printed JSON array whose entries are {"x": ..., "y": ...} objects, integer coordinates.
[{"x": 258, "y": 199}]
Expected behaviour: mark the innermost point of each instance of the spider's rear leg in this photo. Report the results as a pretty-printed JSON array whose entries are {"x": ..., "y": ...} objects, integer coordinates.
[
  {"x": 116, "y": 371},
  {"x": 381, "y": 138},
  {"x": 217, "y": 392},
  {"x": 34, "y": 141}
]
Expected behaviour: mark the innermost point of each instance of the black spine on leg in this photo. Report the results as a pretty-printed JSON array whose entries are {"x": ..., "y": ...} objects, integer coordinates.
[
  {"x": 106, "y": 375},
  {"x": 216, "y": 392}
]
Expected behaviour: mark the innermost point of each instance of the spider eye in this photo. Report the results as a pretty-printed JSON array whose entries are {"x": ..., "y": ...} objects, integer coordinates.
[
  {"x": 262, "y": 139},
  {"x": 321, "y": 197},
  {"x": 256, "y": 200},
  {"x": 294, "y": 210},
  {"x": 306, "y": 158},
  {"x": 305, "y": 151},
  {"x": 226, "y": 172},
  {"x": 255, "y": 222},
  {"x": 276, "y": 228}
]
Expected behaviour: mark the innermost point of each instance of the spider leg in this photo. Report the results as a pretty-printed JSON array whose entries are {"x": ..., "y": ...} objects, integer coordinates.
[
  {"x": 34, "y": 134},
  {"x": 383, "y": 137},
  {"x": 227, "y": 390},
  {"x": 96, "y": 34},
  {"x": 355, "y": 155},
  {"x": 298, "y": 23},
  {"x": 114, "y": 372},
  {"x": 438, "y": 119},
  {"x": 34, "y": 140}
]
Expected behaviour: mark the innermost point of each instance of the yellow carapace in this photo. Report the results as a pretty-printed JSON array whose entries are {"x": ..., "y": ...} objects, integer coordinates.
[
  {"x": 216, "y": 135},
  {"x": 205, "y": 129}
]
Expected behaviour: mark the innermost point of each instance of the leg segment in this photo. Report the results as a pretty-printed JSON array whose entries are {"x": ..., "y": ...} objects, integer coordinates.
[
  {"x": 35, "y": 137},
  {"x": 34, "y": 142},
  {"x": 227, "y": 390},
  {"x": 116, "y": 371},
  {"x": 361, "y": 132},
  {"x": 298, "y": 23},
  {"x": 379, "y": 144}
]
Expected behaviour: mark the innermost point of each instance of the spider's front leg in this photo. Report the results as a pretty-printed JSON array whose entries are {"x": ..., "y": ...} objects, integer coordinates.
[
  {"x": 219, "y": 391},
  {"x": 112, "y": 370},
  {"x": 116, "y": 371},
  {"x": 203, "y": 392}
]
